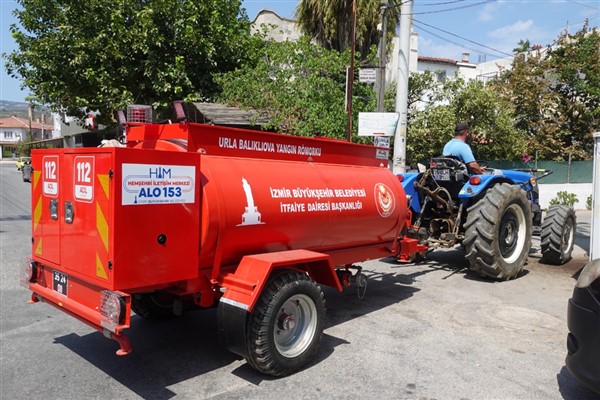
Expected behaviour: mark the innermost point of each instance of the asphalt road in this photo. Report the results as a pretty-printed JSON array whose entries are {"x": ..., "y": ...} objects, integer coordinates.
[{"x": 427, "y": 331}]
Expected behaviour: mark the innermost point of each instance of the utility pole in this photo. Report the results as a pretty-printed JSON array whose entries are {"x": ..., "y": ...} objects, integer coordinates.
[
  {"x": 350, "y": 74},
  {"x": 382, "y": 58},
  {"x": 399, "y": 157},
  {"x": 30, "y": 118}
]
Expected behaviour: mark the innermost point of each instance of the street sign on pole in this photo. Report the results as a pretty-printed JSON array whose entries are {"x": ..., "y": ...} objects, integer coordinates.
[
  {"x": 377, "y": 124},
  {"x": 382, "y": 141},
  {"x": 367, "y": 75}
]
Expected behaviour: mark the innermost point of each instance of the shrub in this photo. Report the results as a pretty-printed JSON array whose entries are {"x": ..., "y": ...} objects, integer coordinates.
[
  {"x": 564, "y": 198},
  {"x": 588, "y": 202}
]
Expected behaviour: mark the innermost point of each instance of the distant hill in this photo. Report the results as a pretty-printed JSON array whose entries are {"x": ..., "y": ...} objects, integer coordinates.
[{"x": 19, "y": 108}]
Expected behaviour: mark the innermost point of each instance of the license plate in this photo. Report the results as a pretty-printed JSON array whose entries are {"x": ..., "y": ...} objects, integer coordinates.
[
  {"x": 60, "y": 282},
  {"x": 441, "y": 174}
]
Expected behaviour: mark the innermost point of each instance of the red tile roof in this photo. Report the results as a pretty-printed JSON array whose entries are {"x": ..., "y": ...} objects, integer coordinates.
[
  {"x": 22, "y": 123},
  {"x": 437, "y": 60}
]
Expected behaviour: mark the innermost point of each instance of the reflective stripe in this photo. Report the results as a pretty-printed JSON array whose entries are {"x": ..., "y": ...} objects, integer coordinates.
[{"x": 234, "y": 303}]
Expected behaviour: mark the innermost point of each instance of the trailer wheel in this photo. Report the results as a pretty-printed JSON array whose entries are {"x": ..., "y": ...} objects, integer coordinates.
[
  {"x": 286, "y": 325},
  {"x": 558, "y": 234},
  {"x": 498, "y": 232}
]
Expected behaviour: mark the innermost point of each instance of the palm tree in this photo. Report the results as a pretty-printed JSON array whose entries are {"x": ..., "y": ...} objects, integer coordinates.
[{"x": 329, "y": 22}]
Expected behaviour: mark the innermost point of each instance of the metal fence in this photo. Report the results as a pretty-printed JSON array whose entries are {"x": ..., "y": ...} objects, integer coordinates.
[{"x": 563, "y": 171}]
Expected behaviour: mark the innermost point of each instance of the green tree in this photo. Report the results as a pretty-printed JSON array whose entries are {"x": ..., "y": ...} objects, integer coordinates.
[
  {"x": 575, "y": 77},
  {"x": 522, "y": 46},
  {"x": 555, "y": 95},
  {"x": 436, "y": 107},
  {"x": 329, "y": 23},
  {"x": 301, "y": 86},
  {"x": 105, "y": 54}
]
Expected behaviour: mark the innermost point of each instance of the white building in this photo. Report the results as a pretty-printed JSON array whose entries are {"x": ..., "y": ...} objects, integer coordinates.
[
  {"x": 277, "y": 28},
  {"x": 13, "y": 129}
]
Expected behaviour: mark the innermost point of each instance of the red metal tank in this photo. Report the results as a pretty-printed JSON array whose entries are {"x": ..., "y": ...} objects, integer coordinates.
[
  {"x": 256, "y": 206},
  {"x": 262, "y": 193}
]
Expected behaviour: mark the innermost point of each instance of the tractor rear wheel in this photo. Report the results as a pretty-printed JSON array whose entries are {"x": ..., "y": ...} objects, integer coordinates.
[
  {"x": 558, "y": 234},
  {"x": 498, "y": 232},
  {"x": 286, "y": 325}
]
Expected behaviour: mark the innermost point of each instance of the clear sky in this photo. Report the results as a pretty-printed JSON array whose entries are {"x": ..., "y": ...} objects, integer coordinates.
[{"x": 446, "y": 28}]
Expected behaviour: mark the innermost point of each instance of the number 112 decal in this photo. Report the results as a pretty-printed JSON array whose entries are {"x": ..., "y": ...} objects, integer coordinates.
[
  {"x": 83, "y": 179},
  {"x": 50, "y": 175}
]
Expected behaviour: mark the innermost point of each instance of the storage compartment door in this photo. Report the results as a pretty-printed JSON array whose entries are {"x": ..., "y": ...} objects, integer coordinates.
[
  {"x": 86, "y": 216},
  {"x": 45, "y": 216}
]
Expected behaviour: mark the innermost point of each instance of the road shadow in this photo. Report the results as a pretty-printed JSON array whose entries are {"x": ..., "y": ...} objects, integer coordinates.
[
  {"x": 167, "y": 352},
  {"x": 571, "y": 389},
  {"x": 454, "y": 262}
]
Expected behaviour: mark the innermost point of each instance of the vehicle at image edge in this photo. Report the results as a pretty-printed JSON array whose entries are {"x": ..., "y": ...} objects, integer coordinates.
[
  {"x": 21, "y": 162},
  {"x": 583, "y": 318},
  {"x": 26, "y": 172},
  {"x": 492, "y": 215},
  {"x": 190, "y": 216}
]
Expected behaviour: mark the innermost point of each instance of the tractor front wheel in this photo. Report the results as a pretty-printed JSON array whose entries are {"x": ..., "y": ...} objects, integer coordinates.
[
  {"x": 558, "y": 234},
  {"x": 498, "y": 232},
  {"x": 286, "y": 325}
]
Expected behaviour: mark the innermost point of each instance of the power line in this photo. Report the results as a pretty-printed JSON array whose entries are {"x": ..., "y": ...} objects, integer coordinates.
[
  {"x": 440, "y": 4},
  {"x": 455, "y": 8},
  {"x": 583, "y": 4},
  {"x": 463, "y": 38},
  {"x": 456, "y": 43}
]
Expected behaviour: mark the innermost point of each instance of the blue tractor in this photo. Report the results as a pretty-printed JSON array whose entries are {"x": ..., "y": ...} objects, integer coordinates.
[{"x": 493, "y": 216}]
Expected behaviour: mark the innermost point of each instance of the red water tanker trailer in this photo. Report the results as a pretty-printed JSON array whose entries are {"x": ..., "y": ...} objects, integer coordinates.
[{"x": 196, "y": 216}]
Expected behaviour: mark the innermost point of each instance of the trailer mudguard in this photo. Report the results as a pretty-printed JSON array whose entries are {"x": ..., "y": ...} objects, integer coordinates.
[{"x": 244, "y": 287}]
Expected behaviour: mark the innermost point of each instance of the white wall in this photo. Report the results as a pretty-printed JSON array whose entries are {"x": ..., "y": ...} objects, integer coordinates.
[{"x": 549, "y": 191}]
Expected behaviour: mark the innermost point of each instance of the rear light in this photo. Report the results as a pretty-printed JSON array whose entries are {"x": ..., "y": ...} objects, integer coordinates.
[
  {"x": 112, "y": 309},
  {"x": 475, "y": 180},
  {"x": 29, "y": 273}
]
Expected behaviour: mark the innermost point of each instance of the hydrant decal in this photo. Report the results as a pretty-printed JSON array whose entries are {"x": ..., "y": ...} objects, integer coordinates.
[{"x": 251, "y": 216}]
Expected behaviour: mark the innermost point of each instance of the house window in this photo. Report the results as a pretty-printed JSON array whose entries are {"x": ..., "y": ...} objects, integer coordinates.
[
  {"x": 8, "y": 135},
  {"x": 441, "y": 76}
]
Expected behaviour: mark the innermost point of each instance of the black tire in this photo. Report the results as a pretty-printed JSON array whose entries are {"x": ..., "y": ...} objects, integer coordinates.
[
  {"x": 286, "y": 325},
  {"x": 498, "y": 232},
  {"x": 558, "y": 234}
]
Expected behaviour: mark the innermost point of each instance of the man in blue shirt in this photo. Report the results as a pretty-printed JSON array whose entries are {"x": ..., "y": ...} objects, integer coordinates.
[{"x": 458, "y": 147}]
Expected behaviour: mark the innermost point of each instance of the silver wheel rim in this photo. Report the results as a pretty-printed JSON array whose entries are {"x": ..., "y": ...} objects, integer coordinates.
[
  {"x": 568, "y": 236},
  {"x": 295, "y": 325},
  {"x": 512, "y": 236}
]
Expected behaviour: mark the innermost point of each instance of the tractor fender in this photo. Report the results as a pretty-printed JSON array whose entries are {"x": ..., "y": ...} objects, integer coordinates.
[
  {"x": 408, "y": 184},
  {"x": 245, "y": 285},
  {"x": 470, "y": 190}
]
